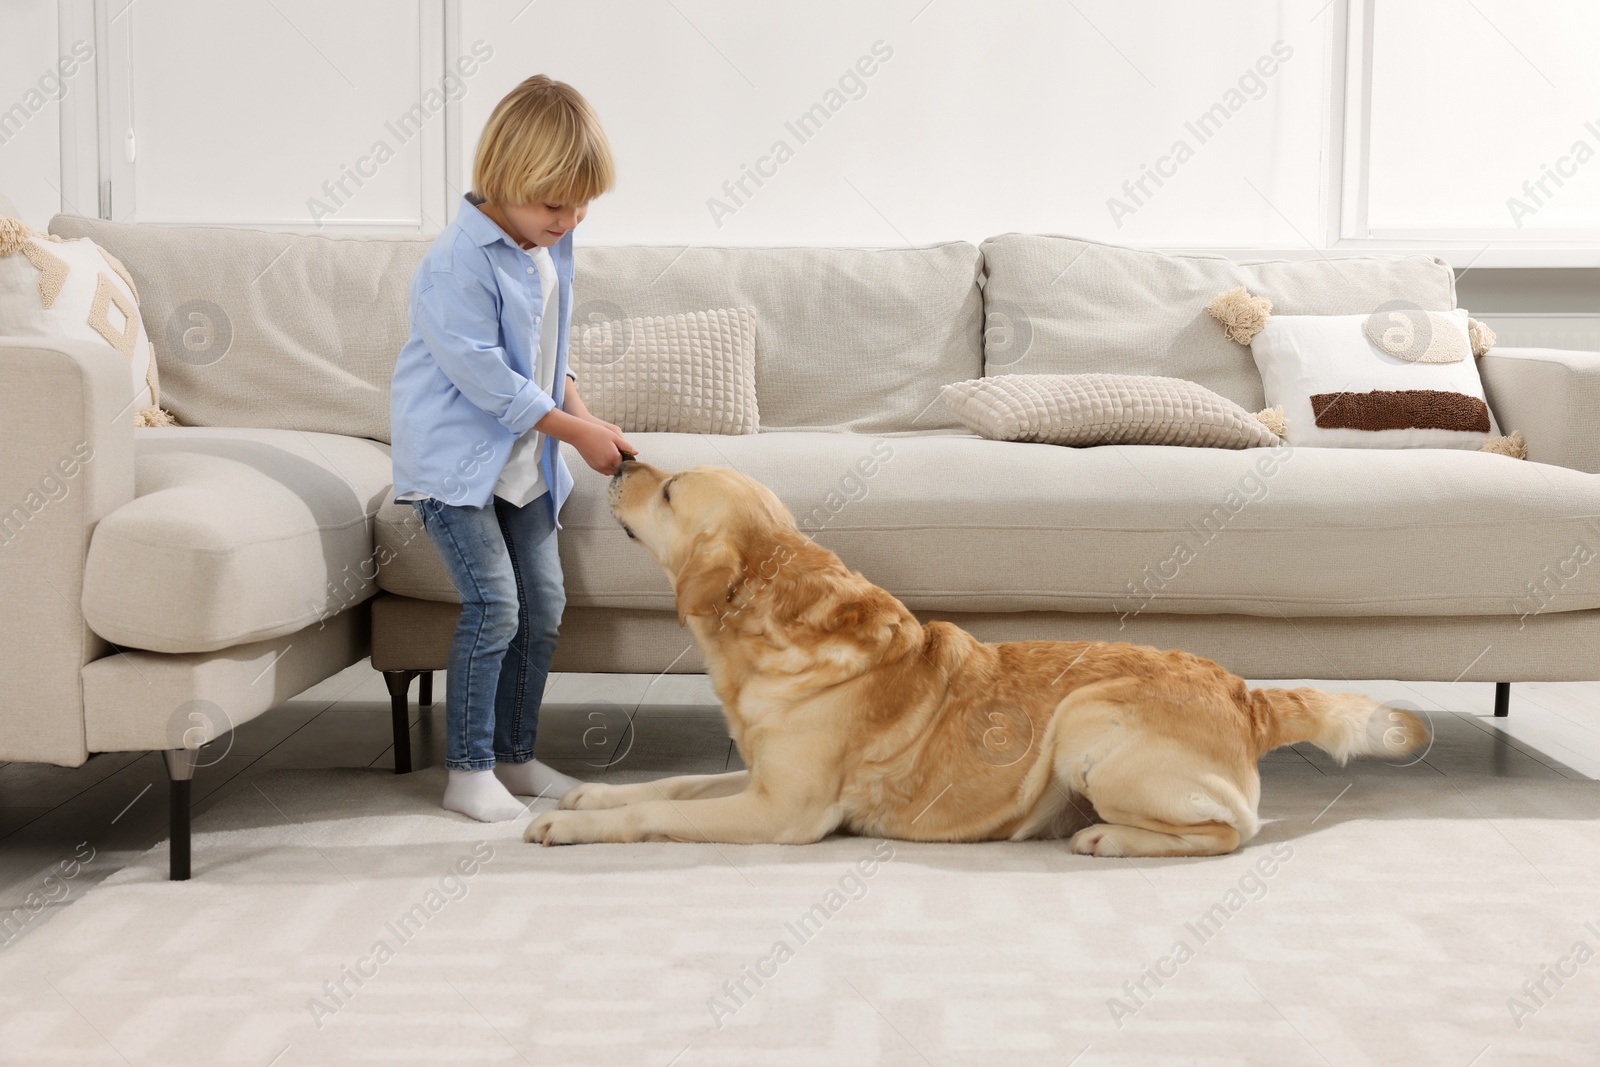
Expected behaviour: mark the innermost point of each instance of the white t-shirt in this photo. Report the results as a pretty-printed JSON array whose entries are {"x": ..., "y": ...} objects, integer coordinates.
[{"x": 522, "y": 480}]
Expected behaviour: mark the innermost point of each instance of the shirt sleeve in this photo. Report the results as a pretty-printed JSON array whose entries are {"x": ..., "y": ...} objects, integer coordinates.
[{"x": 458, "y": 318}]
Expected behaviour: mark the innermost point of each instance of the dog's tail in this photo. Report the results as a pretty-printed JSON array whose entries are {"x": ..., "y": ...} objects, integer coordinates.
[{"x": 1341, "y": 724}]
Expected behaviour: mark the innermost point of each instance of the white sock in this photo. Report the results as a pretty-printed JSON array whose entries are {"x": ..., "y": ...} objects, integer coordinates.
[
  {"x": 480, "y": 795},
  {"x": 534, "y": 779}
]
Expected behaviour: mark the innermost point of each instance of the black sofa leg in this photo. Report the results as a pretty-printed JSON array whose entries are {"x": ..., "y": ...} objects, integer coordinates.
[
  {"x": 180, "y": 777},
  {"x": 425, "y": 692},
  {"x": 1502, "y": 699},
  {"x": 399, "y": 683}
]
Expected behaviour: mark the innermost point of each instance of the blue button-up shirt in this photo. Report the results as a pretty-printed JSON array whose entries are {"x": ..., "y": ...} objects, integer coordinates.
[{"x": 463, "y": 388}]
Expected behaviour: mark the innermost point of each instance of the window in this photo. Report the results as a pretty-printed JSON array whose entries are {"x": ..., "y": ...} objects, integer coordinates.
[{"x": 1473, "y": 120}]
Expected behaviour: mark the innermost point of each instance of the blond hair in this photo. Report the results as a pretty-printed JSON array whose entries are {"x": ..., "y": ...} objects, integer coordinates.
[{"x": 543, "y": 142}]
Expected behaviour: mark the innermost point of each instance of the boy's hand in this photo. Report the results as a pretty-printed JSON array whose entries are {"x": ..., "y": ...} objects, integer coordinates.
[{"x": 602, "y": 445}]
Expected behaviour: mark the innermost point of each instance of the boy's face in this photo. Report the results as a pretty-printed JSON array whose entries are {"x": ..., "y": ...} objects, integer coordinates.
[{"x": 537, "y": 223}]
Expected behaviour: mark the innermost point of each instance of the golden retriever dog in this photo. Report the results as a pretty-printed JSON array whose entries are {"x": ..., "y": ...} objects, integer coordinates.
[{"x": 853, "y": 716}]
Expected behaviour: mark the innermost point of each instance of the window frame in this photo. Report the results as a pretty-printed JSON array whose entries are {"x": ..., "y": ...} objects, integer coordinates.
[{"x": 1348, "y": 176}]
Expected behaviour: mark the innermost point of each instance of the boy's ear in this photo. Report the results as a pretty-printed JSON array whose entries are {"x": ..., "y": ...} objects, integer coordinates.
[{"x": 710, "y": 575}]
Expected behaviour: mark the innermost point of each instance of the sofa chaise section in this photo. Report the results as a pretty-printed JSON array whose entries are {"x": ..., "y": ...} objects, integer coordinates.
[{"x": 165, "y": 585}]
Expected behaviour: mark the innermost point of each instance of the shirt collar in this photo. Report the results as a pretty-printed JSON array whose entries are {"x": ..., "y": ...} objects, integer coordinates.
[
  {"x": 485, "y": 231},
  {"x": 480, "y": 227}
]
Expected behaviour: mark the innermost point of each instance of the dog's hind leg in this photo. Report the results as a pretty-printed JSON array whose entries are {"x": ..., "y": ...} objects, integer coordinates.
[
  {"x": 1153, "y": 795},
  {"x": 1149, "y": 806},
  {"x": 591, "y": 795},
  {"x": 1156, "y": 797}
]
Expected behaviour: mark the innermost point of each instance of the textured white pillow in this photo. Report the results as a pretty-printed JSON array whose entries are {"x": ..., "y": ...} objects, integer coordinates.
[
  {"x": 50, "y": 287},
  {"x": 1392, "y": 379},
  {"x": 693, "y": 372},
  {"x": 1103, "y": 409}
]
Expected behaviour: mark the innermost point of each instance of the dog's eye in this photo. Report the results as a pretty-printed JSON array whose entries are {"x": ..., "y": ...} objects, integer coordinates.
[{"x": 665, "y": 495}]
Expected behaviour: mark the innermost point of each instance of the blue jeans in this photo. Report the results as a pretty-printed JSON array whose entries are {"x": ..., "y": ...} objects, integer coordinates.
[{"x": 503, "y": 562}]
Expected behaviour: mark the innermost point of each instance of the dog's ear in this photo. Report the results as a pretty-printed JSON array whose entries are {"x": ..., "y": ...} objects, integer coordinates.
[{"x": 708, "y": 579}]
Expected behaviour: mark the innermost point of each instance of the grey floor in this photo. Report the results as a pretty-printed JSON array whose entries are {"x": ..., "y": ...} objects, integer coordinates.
[{"x": 591, "y": 725}]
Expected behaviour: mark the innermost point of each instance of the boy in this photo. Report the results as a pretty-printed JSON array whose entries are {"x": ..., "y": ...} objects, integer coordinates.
[{"x": 479, "y": 389}]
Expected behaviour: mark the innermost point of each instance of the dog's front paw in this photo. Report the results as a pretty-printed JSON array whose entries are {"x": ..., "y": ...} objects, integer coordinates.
[
  {"x": 548, "y": 829},
  {"x": 562, "y": 827},
  {"x": 590, "y": 795}
]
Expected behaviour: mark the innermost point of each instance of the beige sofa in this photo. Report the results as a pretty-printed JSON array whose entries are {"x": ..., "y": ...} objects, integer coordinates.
[{"x": 180, "y": 581}]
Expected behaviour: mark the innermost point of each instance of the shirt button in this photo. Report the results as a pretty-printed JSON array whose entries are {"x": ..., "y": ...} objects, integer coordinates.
[{"x": 530, "y": 270}]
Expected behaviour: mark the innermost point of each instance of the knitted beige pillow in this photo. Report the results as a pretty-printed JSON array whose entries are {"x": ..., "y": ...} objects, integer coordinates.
[
  {"x": 1107, "y": 409},
  {"x": 693, "y": 372}
]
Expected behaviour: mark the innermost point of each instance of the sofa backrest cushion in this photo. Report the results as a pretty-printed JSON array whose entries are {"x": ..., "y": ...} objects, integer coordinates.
[
  {"x": 301, "y": 331},
  {"x": 268, "y": 329},
  {"x": 1064, "y": 305},
  {"x": 857, "y": 339}
]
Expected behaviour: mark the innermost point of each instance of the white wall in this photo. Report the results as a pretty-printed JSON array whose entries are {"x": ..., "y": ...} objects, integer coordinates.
[
  {"x": 977, "y": 118},
  {"x": 955, "y": 119}
]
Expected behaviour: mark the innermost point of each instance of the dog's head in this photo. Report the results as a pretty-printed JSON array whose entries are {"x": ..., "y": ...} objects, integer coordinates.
[{"x": 710, "y": 528}]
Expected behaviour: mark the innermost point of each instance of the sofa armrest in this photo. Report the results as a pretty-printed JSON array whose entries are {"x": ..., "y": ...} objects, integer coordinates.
[
  {"x": 1553, "y": 396},
  {"x": 66, "y": 435}
]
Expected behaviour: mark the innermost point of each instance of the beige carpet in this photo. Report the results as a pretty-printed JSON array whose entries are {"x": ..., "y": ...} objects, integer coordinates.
[{"x": 328, "y": 922}]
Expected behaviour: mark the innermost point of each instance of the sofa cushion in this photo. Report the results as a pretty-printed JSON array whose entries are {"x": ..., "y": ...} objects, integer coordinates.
[
  {"x": 1063, "y": 305},
  {"x": 267, "y": 329},
  {"x": 235, "y": 535},
  {"x": 854, "y": 339},
  {"x": 961, "y": 523}
]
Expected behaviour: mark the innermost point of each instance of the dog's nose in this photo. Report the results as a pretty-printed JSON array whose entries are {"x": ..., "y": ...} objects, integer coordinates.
[{"x": 627, "y": 458}]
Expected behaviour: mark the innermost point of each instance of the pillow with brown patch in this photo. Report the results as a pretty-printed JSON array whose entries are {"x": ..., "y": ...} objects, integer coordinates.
[
  {"x": 1399, "y": 377},
  {"x": 1107, "y": 409}
]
